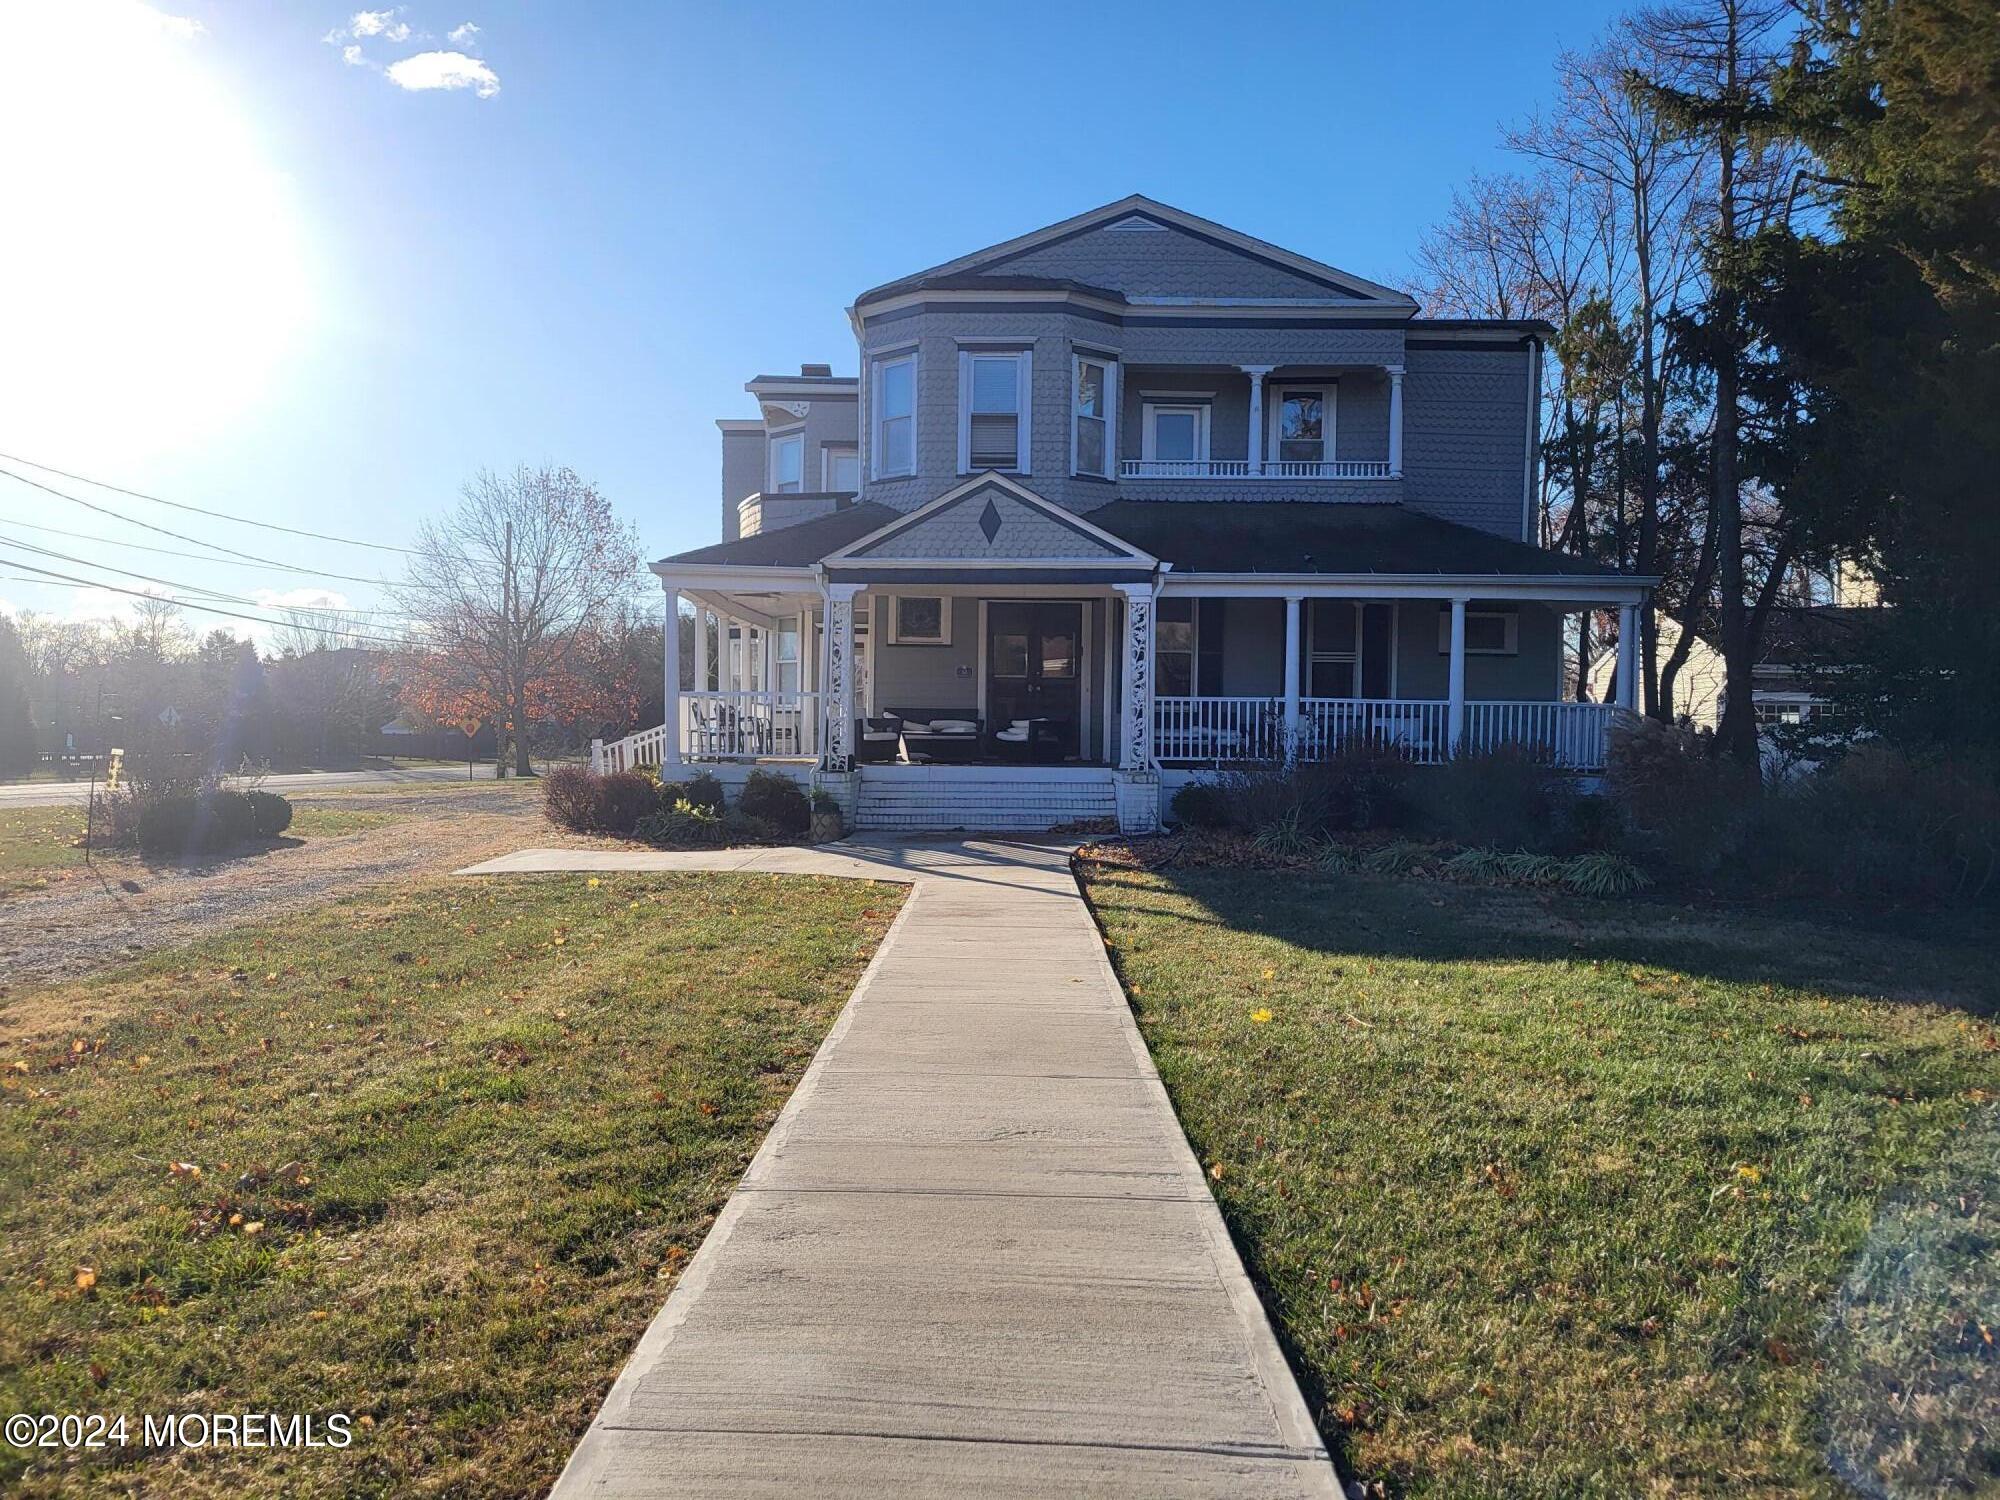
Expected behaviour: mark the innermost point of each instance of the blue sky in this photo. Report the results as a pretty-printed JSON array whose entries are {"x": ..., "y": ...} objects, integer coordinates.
[{"x": 626, "y": 211}]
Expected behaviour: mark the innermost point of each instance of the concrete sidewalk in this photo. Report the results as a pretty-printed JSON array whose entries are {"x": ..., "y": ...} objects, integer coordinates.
[{"x": 974, "y": 1252}]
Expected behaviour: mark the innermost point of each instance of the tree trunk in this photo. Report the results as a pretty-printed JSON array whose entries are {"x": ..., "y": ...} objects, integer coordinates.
[{"x": 1738, "y": 732}]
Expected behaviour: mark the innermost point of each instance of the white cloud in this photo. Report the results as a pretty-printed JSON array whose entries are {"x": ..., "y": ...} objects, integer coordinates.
[
  {"x": 351, "y": 55},
  {"x": 465, "y": 35},
  {"x": 382, "y": 23},
  {"x": 186, "y": 28},
  {"x": 445, "y": 70}
]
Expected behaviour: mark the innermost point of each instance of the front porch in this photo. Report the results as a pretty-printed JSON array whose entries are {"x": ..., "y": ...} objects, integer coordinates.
[{"x": 992, "y": 631}]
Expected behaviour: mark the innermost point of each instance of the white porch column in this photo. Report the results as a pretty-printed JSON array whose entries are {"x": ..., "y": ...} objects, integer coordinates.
[
  {"x": 1454, "y": 727},
  {"x": 700, "y": 649},
  {"x": 1628, "y": 655},
  {"x": 670, "y": 748},
  {"x": 1292, "y": 633},
  {"x": 1395, "y": 421},
  {"x": 839, "y": 675},
  {"x": 1255, "y": 452},
  {"x": 1135, "y": 750}
]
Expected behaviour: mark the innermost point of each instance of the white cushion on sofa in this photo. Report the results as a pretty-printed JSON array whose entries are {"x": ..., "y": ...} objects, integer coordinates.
[{"x": 954, "y": 726}]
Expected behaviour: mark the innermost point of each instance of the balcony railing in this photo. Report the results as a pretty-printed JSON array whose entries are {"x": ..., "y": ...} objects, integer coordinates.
[
  {"x": 1219, "y": 731},
  {"x": 1242, "y": 468}
]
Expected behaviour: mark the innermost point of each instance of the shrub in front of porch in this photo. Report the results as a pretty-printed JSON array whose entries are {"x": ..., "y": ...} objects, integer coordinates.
[
  {"x": 1509, "y": 798},
  {"x": 777, "y": 800},
  {"x": 586, "y": 802}
]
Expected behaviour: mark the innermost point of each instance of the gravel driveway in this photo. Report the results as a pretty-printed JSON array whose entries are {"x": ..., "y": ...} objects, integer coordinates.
[{"x": 124, "y": 908}]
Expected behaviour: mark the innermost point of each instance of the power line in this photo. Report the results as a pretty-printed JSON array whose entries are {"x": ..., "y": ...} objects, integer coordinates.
[
  {"x": 193, "y": 589},
  {"x": 179, "y": 536},
  {"x": 220, "y": 515},
  {"x": 227, "y": 562},
  {"x": 206, "y": 593},
  {"x": 206, "y": 609}
]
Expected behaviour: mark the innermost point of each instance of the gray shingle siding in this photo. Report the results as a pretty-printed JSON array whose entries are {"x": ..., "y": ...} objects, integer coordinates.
[
  {"x": 1161, "y": 263},
  {"x": 1465, "y": 435},
  {"x": 742, "y": 476}
]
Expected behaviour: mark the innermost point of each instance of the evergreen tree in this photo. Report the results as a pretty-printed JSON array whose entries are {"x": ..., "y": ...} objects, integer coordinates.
[{"x": 17, "y": 724}]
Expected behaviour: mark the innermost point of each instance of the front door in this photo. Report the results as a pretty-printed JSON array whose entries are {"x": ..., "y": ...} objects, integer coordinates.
[{"x": 1034, "y": 667}]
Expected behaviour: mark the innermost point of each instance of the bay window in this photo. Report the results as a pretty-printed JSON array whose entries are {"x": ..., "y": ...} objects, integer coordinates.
[
  {"x": 893, "y": 402},
  {"x": 1093, "y": 441},
  {"x": 992, "y": 411}
]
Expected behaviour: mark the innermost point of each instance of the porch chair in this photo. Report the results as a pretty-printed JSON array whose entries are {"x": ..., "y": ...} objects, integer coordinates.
[{"x": 877, "y": 740}]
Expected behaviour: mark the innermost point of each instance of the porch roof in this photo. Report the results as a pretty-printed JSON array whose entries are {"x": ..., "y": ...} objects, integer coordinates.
[
  {"x": 1294, "y": 537},
  {"x": 796, "y": 546},
  {"x": 1279, "y": 537}
]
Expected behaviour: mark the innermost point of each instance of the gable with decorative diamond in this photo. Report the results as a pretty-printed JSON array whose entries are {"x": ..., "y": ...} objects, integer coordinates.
[{"x": 992, "y": 521}]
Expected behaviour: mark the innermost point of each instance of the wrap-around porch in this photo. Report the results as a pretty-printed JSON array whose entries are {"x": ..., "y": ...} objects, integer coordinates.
[{"x": 1166, "y": 674}]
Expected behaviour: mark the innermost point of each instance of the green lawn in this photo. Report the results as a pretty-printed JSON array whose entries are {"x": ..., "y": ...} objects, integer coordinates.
[
  {"x": 453, "y": 1144},
  {"x": 1553, "y": 1197},
  {"x": 40, "y": 844},
  {"x": 37, "y": 843}
]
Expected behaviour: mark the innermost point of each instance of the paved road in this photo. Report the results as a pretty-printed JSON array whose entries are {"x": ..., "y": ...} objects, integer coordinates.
[
  {"x": 974, "y": 1254},
  {"x": 58, "y": 793}
]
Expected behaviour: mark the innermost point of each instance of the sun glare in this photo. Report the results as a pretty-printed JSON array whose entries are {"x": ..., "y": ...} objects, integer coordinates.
[{"x": 153, "y": 273}]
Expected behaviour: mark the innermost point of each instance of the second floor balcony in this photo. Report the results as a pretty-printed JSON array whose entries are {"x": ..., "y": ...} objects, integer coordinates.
[{"x": 1262, "y": 423}]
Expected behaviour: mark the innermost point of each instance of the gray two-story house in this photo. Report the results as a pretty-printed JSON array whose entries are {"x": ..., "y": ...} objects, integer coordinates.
[{"x": 1117, "y": 502}]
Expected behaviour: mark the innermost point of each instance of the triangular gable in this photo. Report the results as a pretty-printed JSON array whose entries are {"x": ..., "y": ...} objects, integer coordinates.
[
  {"x": 1109, "y": 247},
  {"x": 991, "y": 521}
]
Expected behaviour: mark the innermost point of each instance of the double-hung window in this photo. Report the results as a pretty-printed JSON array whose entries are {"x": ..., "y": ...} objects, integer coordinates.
[
  {"x": 992, "y": 411},
  {"x": 1305, "y": 426},
  {"x": 840, "y": 470},
  {"x": 1175, "y": 434},
  {"x": 788, "y": 456},
  {"x": 1175, "y": 648},
  {"x": 894, "y": 402},
  {"x": 1094, "y": 442}
]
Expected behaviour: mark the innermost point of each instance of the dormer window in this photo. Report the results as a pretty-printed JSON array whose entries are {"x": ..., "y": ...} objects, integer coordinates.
[
  {"x": 788, "y": 458},
  {"x": 893, "y": 402},
  {"x": 992, "y": 406}
]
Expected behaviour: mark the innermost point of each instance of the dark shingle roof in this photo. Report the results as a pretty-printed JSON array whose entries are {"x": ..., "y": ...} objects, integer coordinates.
[
  {"x": 797, "y": 546},
  {"x": 1287, "y": 536}
]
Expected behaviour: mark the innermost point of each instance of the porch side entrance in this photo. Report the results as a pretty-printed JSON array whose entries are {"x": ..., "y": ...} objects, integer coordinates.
[{"x": 1034, "y": 670}]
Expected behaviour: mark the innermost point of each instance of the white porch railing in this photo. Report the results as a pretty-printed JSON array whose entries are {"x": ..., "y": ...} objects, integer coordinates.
[
  {"x": 723, "y": 726},
  {"x": 1416, "y": 726},
  {"x": 1572, "y": 733},
  {"x": 1242, "y": 468},
  {"x": 1218, "y": 729},
  {"x": 1213, "y": 731},
  {"x": 744, "y": 726}
]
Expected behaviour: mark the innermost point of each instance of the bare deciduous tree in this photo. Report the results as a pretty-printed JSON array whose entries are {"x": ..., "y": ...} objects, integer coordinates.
[{"x": 506, "y": 594}]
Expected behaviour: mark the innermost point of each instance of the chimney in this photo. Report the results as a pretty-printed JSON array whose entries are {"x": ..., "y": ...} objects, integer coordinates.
[{"x": 824, "y": 371}]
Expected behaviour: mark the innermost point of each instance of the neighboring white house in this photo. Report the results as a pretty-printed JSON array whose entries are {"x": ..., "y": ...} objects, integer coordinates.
[{"x": 1118, "y": 500}]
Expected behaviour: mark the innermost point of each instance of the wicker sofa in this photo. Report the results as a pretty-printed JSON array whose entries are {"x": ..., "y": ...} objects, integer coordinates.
[{"x": 941, "y": 734}]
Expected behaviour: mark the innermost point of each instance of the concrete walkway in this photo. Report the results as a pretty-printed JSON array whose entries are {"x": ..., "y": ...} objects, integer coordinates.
[{"x": 974, "y": 1253}]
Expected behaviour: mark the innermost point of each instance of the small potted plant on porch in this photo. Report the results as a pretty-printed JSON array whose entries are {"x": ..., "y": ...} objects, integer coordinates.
[{"x": 827, "y": 823}]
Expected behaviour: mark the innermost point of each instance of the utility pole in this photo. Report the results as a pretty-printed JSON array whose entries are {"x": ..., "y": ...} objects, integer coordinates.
[{"x": 507, "y": 655}]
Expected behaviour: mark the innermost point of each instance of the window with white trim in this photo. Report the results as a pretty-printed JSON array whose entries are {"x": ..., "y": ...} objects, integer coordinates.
[
  {"x": 839, "y": 469},
  {"x": 919, "y": 620},
  {"x": 1175, "y": 433},
  {"x": 1333, "y": 649},
  {"x": 1304, "y": 421},
  {"x": 992, "y": 411},
  {"x": 785, "y": 658},
  {"x": 1176, "y": 647},
  {"x": 1094, "y": 441},
  {"x": 893, "y": 402},
  {"x": 1488, "y": 632},
  {"x": 788, "y": 457}
]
